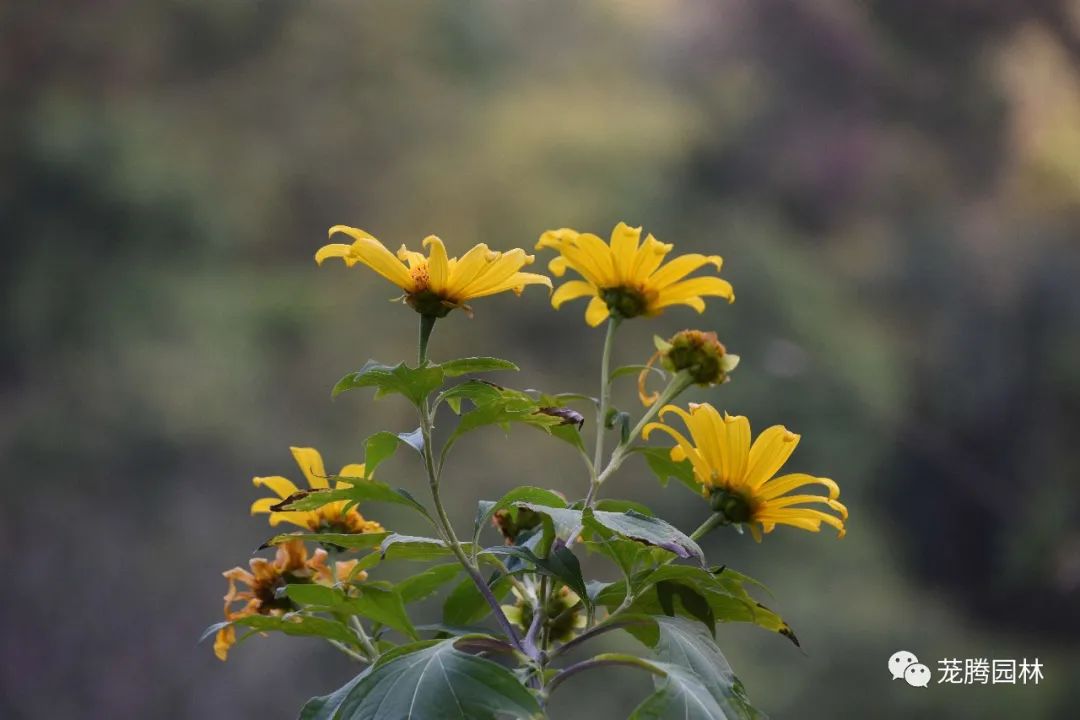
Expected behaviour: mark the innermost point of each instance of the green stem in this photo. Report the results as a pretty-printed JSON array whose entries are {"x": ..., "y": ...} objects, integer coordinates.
[
  {"x": 678, "y": 383},
  {"x": 602, "y": 408},
  {"x": 349, "y": 651},
  {"x": 715, "y": 520},
  {"x": 365, "y": 640},
  {"x": 427, "y": 324}
]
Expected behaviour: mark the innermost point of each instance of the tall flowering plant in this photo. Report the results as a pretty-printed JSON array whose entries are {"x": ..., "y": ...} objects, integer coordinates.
[{"x": 519, "y": 616}]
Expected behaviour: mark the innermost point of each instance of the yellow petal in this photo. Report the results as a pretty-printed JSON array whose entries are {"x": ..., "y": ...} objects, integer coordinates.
[
  {"x": 470, "y": 267},
  {"x": 682, "y": 266},
  {"x": 515, "y": 282},
  {"x": 556, "y": 238},
  {"x": 263, "y": 505},
  {"x": 311, "y": 464},
  {"x": 770, "y": 451},
  {"x": 557, "y": 266},
  {"x": 413, "y": 258},
  {"x": 571, "y": 290},
  {"x": 225, "y": 639},
  {"x": 282, "y": 486},
  {"x": 624, "y": 245},
  {"x": 352, "y": 470},
  {"x": 786, "y": 483},
  {"x": 438, "y": 266},
  {"x": 597, "y": 312},
  {"x": 735, "y": 446},
  {"x": 293, "y": 517},
  {"x": 690, "y": 292},
  {"x": 371, "y": 252},
  {"x": 335, "y": 250},
  {"x": 649, "y": 257}
]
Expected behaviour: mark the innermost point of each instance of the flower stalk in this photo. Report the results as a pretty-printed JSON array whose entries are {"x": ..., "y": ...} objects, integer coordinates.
[{"x": 445, "y": 527}]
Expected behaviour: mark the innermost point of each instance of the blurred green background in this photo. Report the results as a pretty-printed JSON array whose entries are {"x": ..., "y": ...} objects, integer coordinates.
[{"x": 895, "y": 187}]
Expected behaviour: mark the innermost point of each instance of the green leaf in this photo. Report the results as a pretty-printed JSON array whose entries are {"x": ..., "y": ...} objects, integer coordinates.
[
  {"x": 649, "y": 530},
  {"x": 513, "y": 406},
  {"x": 726, "y": 596},
  {"x": 293, "y": 623},
  {"x": 325, "y": 707},
  {"x": 425, "y": 584},
  {"x": 694, "y": 603},
  {"x": 360, "y": 490},
  {"x": 616, "y": 505},
  {"x": 681, "y": 695},
  {"x": 566, "y": 520},
  {"x": 624, "y": 553},
  {"x": 477, "y": 391},
  {"x": 435, "y": 679},
  {"x": 620, "y": 420},
  {"x": 487, "y": 509},
  {"x": 462, "y": 366},
  {"x": 465, "y": 605},
  {"x": 687, "y": 645},
  {"x": 379, "y": 447},
  {"x": 661, "y": 464},
  {"x": 413, "y": 383},
  {"x": 350, "y": 541},
  {"x": 377, "y": 602},
  {"x": 411, "y": 547},
  {"x": 560, "y": 563}
]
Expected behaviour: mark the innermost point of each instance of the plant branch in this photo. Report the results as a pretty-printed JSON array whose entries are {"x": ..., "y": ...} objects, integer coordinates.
[
  {"x": 600, "y": 661},
  {"x": 426, "y": 325}
]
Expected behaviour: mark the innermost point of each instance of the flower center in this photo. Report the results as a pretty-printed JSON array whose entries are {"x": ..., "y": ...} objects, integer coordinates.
[
  {"x": 625, "y": 302},
  {"x": 420, "y": 278},
  {"x": 267, "y": 594}
]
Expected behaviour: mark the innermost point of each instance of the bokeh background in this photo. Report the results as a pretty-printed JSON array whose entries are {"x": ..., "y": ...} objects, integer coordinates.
[{"x": 895, "y": 187}]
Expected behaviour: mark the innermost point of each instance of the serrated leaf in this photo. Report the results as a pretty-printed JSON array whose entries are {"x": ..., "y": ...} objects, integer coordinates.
[
  {"x": 649, "y": 530},
  {"x": 436, "y": 680},
  {"x": 660, "y": 462},
  {"x": 379, "y": 603},
  {"x": 463, "y": 366},
  {"x": 413, "y": 383},
  {"x": 728, "y": 599},
  {"x": 680, "y": 695},
  {"x": 426, "y": 583},
  {"x": 686, "y": 644}
]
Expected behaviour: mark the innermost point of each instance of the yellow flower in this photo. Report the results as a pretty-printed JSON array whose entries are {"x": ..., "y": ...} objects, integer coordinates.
[
  {"x": 435, "y": 285},
  {"x": 329, "y": 518},
  {"x": 739, "y": 478},
  {"x": 290, "y": 565},
  {"x": 625, "y": 278}
]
